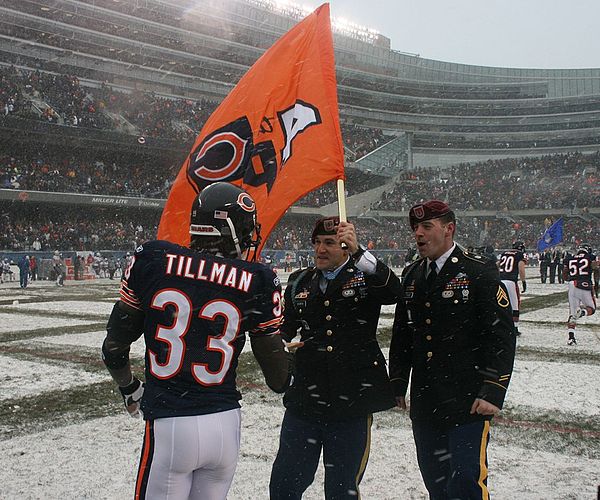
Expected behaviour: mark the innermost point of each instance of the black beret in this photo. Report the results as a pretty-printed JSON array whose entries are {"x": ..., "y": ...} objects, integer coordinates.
[
  {"x": 432, "y": 209},
  {"x": 325, "y": 226}
]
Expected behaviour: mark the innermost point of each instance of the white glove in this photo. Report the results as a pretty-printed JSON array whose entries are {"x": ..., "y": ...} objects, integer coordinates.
[{"x": 132, "y": 395}]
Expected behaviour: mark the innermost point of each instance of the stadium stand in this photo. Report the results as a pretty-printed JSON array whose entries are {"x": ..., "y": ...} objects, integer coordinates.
[{"x": 105, "y": 98}]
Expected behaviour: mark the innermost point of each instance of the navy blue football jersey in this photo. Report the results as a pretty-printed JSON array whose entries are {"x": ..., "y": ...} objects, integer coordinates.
[
  {"x": 197, "y": 308},
  {"x": 579, "y": 268},
  {"x": 508, "y": 265}
]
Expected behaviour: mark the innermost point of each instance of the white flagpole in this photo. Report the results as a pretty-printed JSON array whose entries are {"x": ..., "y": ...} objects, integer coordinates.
[{"x": 341, "y": 192}]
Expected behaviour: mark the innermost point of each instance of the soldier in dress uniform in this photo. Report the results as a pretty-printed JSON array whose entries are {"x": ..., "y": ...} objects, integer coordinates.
[
  {"x": 545, "y": 260},
  {"x": 453, "y": 330},
  {"x": 556, "y": 257},
  {"x": 340, "y": 375}
]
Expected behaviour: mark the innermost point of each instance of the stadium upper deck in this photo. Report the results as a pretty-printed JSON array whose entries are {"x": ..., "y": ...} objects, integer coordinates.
[{"x": 194, "y": 49}]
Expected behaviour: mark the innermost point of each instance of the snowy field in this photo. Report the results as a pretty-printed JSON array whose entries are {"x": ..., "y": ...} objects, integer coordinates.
[{"x": 64, "y": 435}]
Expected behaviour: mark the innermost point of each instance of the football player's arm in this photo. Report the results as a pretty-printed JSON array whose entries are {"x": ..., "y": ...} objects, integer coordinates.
[
  {"x": 267, "y": 344},
  {"x": 290, "y": 323},
  {"x": 522, "y": 276},
  {"x": 273, "y": 359},
  {"x": 498, "y": 343},
  {"x": 124, "y": 327}
]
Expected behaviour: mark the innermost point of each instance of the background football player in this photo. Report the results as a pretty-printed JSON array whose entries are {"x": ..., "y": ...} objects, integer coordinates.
[
  {"x": 511, "y": 266},
  {"x": 194, "y": 306},
  {"x": 582, "y": 302}
]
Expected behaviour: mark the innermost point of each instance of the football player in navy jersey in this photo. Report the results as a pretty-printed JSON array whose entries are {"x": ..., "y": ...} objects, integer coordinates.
[
  {"x": 194, "y": 306},
  {"x": 579, "y": 270},
  {"x": 512, "y": 268}
]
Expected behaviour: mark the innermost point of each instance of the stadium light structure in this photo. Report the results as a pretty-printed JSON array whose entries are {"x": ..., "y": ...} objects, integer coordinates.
[{"x": 338, "y": 25}]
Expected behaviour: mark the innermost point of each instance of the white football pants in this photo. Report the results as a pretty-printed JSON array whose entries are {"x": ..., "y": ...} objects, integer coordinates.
[
  {"x": 513, "y": 294},
  {"x": 577, "y": 297},
  {"x": 189, "y": 457}
]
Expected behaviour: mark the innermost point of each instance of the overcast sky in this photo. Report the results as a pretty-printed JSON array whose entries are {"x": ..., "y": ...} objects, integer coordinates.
[{"x": 509, "y": 33}]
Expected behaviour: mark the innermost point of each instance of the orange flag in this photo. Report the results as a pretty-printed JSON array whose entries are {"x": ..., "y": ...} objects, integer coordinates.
[{"x": 276, "y": 134}]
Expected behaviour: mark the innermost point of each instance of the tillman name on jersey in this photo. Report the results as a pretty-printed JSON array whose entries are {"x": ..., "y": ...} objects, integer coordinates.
[{"x": 196, "y": 269}]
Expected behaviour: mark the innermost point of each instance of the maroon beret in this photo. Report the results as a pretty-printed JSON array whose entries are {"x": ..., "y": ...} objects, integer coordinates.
[
  {"x": 325, "y": 225},
  {"x": 431, "y": 209}
]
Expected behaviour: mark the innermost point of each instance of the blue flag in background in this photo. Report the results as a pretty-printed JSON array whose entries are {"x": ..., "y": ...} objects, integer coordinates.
[{"x": 552, "y": 236}]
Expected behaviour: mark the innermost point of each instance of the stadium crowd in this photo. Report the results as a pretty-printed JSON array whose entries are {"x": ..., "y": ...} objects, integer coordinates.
[
  {"x": 548, "y": 182},
  {"x": 61, "y": 99},
  {"x": 25, "y": 227},
  {"x": 160, "y": 38},
  {"x": 74, "y": 228},
  {"x": 395, "y": 233},
  {"x": 560, "y": 181},
  {"x": 170, "y": 16},
  {"x": 88, "y": 173},
  {"x": 357, "y": 181}
]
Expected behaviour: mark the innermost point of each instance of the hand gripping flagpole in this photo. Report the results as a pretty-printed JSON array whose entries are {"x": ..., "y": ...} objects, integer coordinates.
[{"x": 341, "y": 192}]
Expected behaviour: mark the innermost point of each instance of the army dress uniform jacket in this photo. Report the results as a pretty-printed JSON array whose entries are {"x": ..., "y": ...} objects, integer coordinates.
[
  {"x": 456, "y": 338},
  {"x": 340, "y": 371}
]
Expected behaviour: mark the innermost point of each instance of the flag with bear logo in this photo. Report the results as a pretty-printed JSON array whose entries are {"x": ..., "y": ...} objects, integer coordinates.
[{"x": 276, "y": 135}]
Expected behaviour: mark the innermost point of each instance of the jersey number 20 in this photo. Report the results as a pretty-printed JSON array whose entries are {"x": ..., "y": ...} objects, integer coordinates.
[{"x": 507, "y": 263}]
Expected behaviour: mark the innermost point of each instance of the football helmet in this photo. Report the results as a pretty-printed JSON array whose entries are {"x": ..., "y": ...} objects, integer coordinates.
[
  {"x": 223, "y": 221},
  {"x": 519, "y": 245},
  {"x": 584, "y": 247}
]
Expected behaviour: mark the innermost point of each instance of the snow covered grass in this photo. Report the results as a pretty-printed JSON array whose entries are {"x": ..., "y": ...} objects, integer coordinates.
[
  {"x": 64, "y": 435},
  {"x": 92, "y": 340},
  {"x": 101, "y": 309},
  {"x": 23, "y": 322},
  {"x": 20, "y": 378}
]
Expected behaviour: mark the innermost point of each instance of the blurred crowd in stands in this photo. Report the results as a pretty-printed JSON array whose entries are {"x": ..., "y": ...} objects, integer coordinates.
[
  {"x": 63, "y": 100},
  {"x": 159, "y": 37},
  {"x": 47, "y": 227},
  {"x": 562, "y": 181},
  {"x": 357, "y": 181},
  {"x": 360, "y": 141},
  {"x": 43, "y": 227},
  {"x": 568, "y": 182},
  {"x": 200, "y": 46},
  {"x": 548, "y": 182},
  {"x": 384, "y": 233},
  {"x": 88, "y": 173}
]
